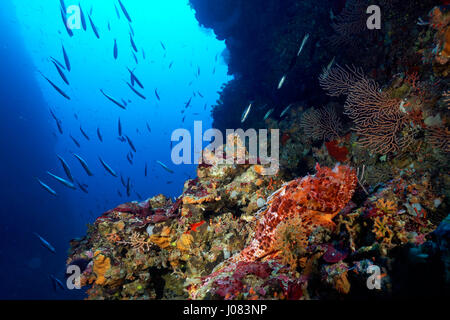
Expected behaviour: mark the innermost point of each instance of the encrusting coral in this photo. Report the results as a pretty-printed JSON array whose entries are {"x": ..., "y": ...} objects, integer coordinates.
[{"x": 380, "y": 193}]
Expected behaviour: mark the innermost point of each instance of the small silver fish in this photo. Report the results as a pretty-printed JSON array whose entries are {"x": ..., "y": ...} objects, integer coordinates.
[
  {"x": 66, "y": 168},
  {"x": 63, "y": 181},
  {"x": 303, "y": 44},
  {"x": 420, "y": 22},
  {"x": 280, "y": 84},
  {"x": 245, "y": 113},
  {"x": 56, "y": 282},
  {"x": 47, "y": 188},
  {"x": 164, "y": 166},
  {"x": 83, "y": 164},
  {"x": 331, "y": 64},
  {"x": 285, "y": 110},
  {"x": 107, "y": 167},
  {"x": 45, "y": 243},
  {"x": 268, "y": 113}
]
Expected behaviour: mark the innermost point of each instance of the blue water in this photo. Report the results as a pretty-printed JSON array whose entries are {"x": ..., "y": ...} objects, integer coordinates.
[{"x": 32, "y": 32}]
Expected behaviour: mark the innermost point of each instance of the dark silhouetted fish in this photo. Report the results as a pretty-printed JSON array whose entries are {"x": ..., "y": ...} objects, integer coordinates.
[
  {"x": 58, "y": 125},
  {"x": 66, "y": 58},
  {"x": 56, "y": 87},
  {"x": 45, "y": 243},
  {"x": 66, "y": 168},
  {"x": 135, "y": 58},
  {"x": 47, "y": 188},
  {"x": 56, "y": 282},
  {"x": 113, "y": 100},
  {"x": 145, "y": 170},
  {"x": 162, "y": 45},
  {"x": 131, "y": 29},
  {"x": 122, "y": 180},
  {"x": 115, "y": 49},
  {"x": 59, "y": 63},
  {"x": 143, "y": 54},
  {"x": 84, "y": 133},
  {"x": 53, "y": 115},
  {"x": 83, "y": 187},
  {"x": 63, "y": 5},
  {"x": 118, "y": 192},
  {"x": 75, "y": 141},
  {"x": 109, "y": 26},
  {"x": 64, "y": 19},
  {"x": 99, "y": 135},
  {"x": 130, "y": 160},
  {"x": 119, "y": 126},
  {"x": 188, "y": 103},
  {"x": 148, "y": 127},
  {"x": 157, "y": 95},
  {"x": 139, "y": 196},
  {"x": 170, "y": 65},
  {"x": 124, "y": 102},
  {"x": 164, "y": 166},
  {"x": 131, "y": 143},
  {"x": 61, "y": 73},
  {"x": 82, "y": 17},
  {"x": 135, "y": 79},
  {"x": 94, "y": 28},
  {"x": 117, "y": 11},
  {"x": 83, "y": 164},
  {"x": 200, "y": 94},
  {"x": 107, "y": 167},
  {"x": 124, "y": 10},
  {"x": 128, "y": 187},
  {"x": 140, "y": 95},
  {"x": 62, "y": 180},
  {"x": 133, "y": 44}
]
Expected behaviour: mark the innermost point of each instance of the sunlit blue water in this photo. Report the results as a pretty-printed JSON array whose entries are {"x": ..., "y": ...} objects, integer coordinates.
[{"x": 32, "y": 32}]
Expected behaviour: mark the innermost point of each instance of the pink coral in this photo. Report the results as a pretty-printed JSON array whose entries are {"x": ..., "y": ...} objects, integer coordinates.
[
  {"x": 321, "y": 123},
  {"x": 379, "y": 121}
]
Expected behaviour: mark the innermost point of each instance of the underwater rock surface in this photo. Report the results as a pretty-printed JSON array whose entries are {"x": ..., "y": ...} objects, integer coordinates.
[
  {"x": 309, "y": 241},
  {"x": 366, "y": 112}
]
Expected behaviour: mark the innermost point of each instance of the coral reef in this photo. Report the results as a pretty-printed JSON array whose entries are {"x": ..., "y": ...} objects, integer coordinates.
[{"x": 363, "y": 188}]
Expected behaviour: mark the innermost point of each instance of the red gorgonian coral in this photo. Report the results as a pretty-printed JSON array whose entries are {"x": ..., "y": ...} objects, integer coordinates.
[
  {"x": 439, "y": 137},
  {"x": 322, "y": 123},
  {"x": 350, "y": 23},
  {"x": 378, "y": 118}
]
